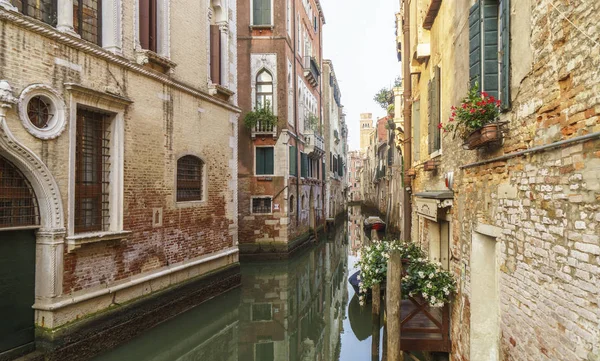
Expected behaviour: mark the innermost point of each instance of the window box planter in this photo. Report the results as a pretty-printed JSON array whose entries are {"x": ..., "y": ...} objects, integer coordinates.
[{"x": 486, "y": 135}]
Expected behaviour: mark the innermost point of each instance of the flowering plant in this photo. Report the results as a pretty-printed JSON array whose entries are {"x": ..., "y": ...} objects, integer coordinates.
[
  {"x": 423, "y": 277},
  {"x": 476, "y": 110}
]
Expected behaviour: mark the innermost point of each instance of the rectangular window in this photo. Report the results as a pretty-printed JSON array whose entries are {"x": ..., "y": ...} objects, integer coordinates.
[
  {"x": 262, "y": 312},
  {"x": 264, "y": 351},
  {"x": 261, "y": 12},
  {"x": 434, "y": 111},
  {"x": 265, "y": 160},
  {"x": 189, "y": 179},
  {"x": 215, "y": 54},
  {"x": 92, "y": 161},
  {"x": 87, "y": 20},
  {"x": 489, "y": 48},
  {"x": 293, "y": 161},
  {"x": 43, "y": 10},
  {"x": 148, "y": 25},
  {"x": 303, "y": 165},
  {"x": 262, "y": 205},
  {"x": 416, "y": 130}
]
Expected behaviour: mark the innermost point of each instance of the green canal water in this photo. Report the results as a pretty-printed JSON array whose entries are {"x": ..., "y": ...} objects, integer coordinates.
[{"x": 302, "y": 309}]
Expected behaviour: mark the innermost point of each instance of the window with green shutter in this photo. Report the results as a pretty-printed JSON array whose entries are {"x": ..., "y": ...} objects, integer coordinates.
[
  {"x": 434, "y": 111},
  {"x": 265, "y": 161},
  {"x": 489, "y": 48},
  {"x": 303, "y": 165},
  {"x": 261, "y": 12},
  {"x": 293, "y": 161},
  {"x": 416, "y": 120}
]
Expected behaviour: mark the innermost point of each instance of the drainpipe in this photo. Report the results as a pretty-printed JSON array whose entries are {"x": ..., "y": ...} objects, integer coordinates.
[{"x": 407, "y": 121}]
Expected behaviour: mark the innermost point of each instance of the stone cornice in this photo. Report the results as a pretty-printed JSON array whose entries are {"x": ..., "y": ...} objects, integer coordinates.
[{"x": 49, "y": 32}]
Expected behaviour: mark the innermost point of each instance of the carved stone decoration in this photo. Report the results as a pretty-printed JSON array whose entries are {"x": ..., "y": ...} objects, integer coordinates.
[
  {"x": 56, "y": 124},
  {"x": 268, "y": 62},
  {"x": 50, "y": 236}
]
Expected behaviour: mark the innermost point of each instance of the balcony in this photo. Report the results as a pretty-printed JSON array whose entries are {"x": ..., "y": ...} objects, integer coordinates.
[
  {"x": 315, "y": 145},
  {"x": 311, "y": 70},
  {"x": 262, "y": 130}
]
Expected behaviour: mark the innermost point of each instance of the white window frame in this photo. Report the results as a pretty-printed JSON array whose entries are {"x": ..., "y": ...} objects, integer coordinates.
[
  {"x": 261, "y": 196},
  {"x": 187, "y": 204},
  {"x": 115, "y": 107},
  {"x": 272, "y": 25},
  {"x": 274, "y": 157},
  {"x": 163, "y": 26}
]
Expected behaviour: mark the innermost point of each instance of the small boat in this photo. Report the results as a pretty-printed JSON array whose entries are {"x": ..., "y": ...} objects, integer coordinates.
[
  {"x": 375, "y": 223},
  {"x": 354, "y": 282}
]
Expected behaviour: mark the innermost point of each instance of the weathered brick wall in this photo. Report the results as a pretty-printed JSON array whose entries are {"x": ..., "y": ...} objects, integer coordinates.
[
  {"x": 162, "y": 124},
  {"x": 546, "y": 205}
]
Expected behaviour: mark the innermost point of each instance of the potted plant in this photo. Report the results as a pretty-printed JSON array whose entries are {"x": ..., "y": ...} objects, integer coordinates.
[
  {"x": 261, "y": 118},
  {"x": 430, "y": 165},
  {"x": 475, "y": 120}
]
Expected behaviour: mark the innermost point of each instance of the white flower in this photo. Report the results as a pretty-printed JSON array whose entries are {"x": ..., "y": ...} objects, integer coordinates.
[
  {"x": 358, "y": 277},
  {"x": 431, "y": 275},
  {"x": 362, "y": 303},
  {"x": 428, "y": 285},
  {"x": 433, "y": 299},
  {"x": 421, "y": 274}
]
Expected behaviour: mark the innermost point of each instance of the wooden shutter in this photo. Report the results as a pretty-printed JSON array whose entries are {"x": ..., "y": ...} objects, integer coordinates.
[
  {"x": 303, "y": 165},
  {"x": 293, "y": 161},
  {"x": 505, "y": 53},
  {"x": 475, "y": 44},
  {"x": 144, "y": 23},
  {"x": 416, "y": 131},
  {"x": 269, "y": 154},
  {"x": 434, "y": 111},
  {"x": 323, "y": 174},
  {"x": 260, "y": 161},
  {"x": 430, "y": 111},
  {"x": 266, "y": 12},
  {"x": 490, "y": 47},
  {"x": 215, "y": 54}
]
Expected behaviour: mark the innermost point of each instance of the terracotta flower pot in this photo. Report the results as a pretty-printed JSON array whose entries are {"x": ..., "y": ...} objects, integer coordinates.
[{"x": 478, "y": 138}]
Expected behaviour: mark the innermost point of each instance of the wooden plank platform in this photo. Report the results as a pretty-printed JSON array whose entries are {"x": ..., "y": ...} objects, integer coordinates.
[{"x": 424, "y": 328}]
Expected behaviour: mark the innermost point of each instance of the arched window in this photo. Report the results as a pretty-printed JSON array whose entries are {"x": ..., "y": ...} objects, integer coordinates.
[
  {"x": 292, "y": 205},
  {"x": 18, "y": 205},
  {"x": 190, "y": 172},
  {"x": 264, "y": 89}
]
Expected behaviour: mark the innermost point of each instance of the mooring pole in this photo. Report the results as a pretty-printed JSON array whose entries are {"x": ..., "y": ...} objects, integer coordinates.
[
  {"x": 385, "y": 335},
  {"x": 393, "y": 307},
  {"x": 376, "y": 309}
]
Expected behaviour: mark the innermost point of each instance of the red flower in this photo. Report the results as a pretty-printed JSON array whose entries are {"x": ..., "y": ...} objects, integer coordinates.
[
  {"x": 453, "y": 107},
  {"x": 492, "y": 99},
  {"x": 440, "y": 126},
  {"x": 464, "y": 105},
  {"x": 472, "y": 111},
  {"x": 451, "y": 119},
  {"x": 453, "y": 114},
  {"x": 484, "y": 94},
  {"x": 498, "y": 102}
]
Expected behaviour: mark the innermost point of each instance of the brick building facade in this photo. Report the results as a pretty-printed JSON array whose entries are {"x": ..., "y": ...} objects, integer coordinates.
[
  {"x": 519, "y": 223},
  {"x": 118, "y": 158},
  {"x": 281, "y": 182}
]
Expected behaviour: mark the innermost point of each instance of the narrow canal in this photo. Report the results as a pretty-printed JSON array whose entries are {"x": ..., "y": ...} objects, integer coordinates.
[{"x": 296, "y": 310}]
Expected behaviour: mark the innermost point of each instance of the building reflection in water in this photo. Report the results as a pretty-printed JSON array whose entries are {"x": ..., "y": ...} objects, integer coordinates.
[{"x": 285, "y": 310}]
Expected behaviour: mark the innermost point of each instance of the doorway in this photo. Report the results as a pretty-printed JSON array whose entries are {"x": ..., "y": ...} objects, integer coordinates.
[{"x": 485, "y": 302}]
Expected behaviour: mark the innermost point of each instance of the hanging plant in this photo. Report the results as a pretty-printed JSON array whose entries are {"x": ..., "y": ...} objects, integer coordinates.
[
  {"x": 476, "y": 110},
  {"x": 261, "y": 115},
  {"x": 423, "y": 277}
]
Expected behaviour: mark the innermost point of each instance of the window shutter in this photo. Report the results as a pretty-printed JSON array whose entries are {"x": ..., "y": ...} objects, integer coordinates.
[
  {"x": 215, "y": 54},
  {"x": 430, "y": 111},
  {"x": 490, "y": 50},
  {"x": 505, "y": 53},
  {"x": 144, "y": 27},
  {"x": 416, "y": 131},
  {"x": 293, "y": 161},
  {"x": 260, "y": 161},
  {"x": 475, "y": 44},
  {"x": 256, "y": 12},
  {"x": 323, "y": 174},
  {"x": 303, "y": 165},
  {"x": 266, "y": 12},
  {"x": 269, "y": 160},
  {"x": 437, "y": 85}
]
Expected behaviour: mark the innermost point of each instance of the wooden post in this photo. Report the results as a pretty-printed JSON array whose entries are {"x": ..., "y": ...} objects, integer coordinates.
[
  {"x": 375, "y": 315},
  {"x": 393, "y": 304},
  {"x": 385, "y": 319}
]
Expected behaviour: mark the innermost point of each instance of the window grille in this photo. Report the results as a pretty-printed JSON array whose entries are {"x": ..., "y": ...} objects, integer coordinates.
[
  {"x": 18, "y": 205},
  {"x": 262, "y": 312},
  {"x": 40, "y": 111},
  {"x": 189, "y": 179},
  {"x": 87, "y": 22},
  {"x": 92, "y": 172},
  {"x": 264, "y": 89},
  {"x": 43, "y": 10},
  {"x": 261, "y": 205}
]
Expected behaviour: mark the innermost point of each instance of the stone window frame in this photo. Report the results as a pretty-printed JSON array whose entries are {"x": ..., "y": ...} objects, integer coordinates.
[
  {"x": 261, "y": 196},
  {"x": 163, "y": 33},
  {"x": 114, "y": 106},
  {"x": 264, "y": 26},
  {"x": 268, "y": 62},
  {"x": 57, "y": 124},
  {"x": 274, "y": 158},
  {"x": 205, "y": 168},
  {"x": 261, "y": 303},
  {"x": 202, "y": 166}
]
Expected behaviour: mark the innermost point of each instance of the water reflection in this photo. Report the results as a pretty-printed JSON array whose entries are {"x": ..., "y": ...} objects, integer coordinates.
[{"x": 292, "y": 310}]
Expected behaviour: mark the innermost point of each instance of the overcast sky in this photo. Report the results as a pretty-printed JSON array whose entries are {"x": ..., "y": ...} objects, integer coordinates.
[{"x": 359, "y": 37}]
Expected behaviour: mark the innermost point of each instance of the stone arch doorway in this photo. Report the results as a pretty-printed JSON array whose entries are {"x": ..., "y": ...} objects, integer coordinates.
[
  {"x": 19, "y": 218},
  {"x": 311, "y": 209},
  {"x": 48, "y": 232}
]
